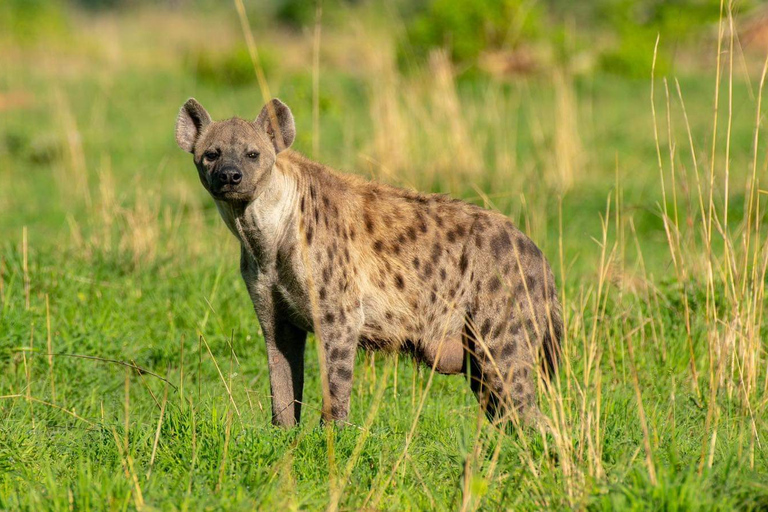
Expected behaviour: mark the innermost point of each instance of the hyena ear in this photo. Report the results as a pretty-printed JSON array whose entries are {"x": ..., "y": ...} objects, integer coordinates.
[
  {"x": 276, "y": 119},
  {"x": 190, "y": 123}
]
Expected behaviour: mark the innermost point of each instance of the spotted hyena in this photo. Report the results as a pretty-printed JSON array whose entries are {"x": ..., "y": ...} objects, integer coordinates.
[{"x": 363, "y": 264}]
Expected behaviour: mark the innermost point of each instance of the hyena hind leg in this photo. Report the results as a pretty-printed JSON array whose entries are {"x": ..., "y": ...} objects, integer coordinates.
[{"x": 504, "y": 383}]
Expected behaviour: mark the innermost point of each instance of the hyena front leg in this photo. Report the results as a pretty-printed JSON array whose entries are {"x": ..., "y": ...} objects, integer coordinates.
[
  {"x": 285, "y": 353},
  {"x": 339, "y": 333},
  {"x": 285, "y": 347}
]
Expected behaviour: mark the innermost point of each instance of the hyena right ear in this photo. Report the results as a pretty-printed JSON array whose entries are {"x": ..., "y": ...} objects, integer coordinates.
[{"x": 190, "y": 123}]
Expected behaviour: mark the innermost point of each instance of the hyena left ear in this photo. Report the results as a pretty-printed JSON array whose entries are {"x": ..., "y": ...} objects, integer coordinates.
[{"x": 276, "y": 119}]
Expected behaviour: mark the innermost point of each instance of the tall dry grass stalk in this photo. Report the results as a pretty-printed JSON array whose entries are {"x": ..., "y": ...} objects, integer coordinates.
[{"x": 72, "y": 179}]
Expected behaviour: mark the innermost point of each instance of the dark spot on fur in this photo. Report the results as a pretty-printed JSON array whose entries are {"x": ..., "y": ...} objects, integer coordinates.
[
  {"x": 396, "y": 248},
  {"x": 411, "y": 233},
  {"x": 368, "y": 221},
  {"x": 530, "y": 281},
  {"x": 378, "y": 245},
  {"x": 451, "y": 236},
  {"x": 339, "y": 353},
  {"x": 352, "y": 233},
  {"x": 432, "y": 297},
  {"x": 442, "y": 274},
  {"x": 337, "y": 411},
  {"x": 500, "y": 243},
  {"x": 416, "y": 263},
  {"x": 308, "y": 234},
  {"x": 529, "y": 326},
  {"x": 344, "y": 373},
  {"x": 322, "y": 293},
  {"x": 436, "y": 250},
  {"x": 312, "y": 192},
  {"x": 399, "y": 281},
  {"x": 459, "y": 230},
  {"x": 479, "y": 241},
  {"x": 509, "y": 350},
  {"x": 422, "y": 222},
  {"x": 494, "y": 284},
  {"x": 325, "y": 201},
  {"x": 329, "y": 318},
  {"x": 388, "y": 315},
  {"x": 302, "y": 204},
  {"x": 522, "y": 247},
  {"x": 317, "y": 214},
  {"x": 427, "y": 269},
  {"x": 485, "y": 328},
  {"x": 463, "y": 263},
  {"x": 497, "y": 330}
]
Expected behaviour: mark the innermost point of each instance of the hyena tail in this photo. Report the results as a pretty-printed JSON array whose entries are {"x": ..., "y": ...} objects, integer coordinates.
[{"x": 551, "y": 343}]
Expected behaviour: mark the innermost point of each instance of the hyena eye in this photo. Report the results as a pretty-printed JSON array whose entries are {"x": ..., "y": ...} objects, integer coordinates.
[
  {"x": 252, "y": 155},
  {"x": 211, "y": 155}
]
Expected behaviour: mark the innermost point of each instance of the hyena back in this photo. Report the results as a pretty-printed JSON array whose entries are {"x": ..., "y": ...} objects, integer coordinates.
[{"x": 363, "y": 264}]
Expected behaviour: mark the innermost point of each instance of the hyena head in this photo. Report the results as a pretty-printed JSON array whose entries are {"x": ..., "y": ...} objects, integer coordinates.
[{"x": 235, "y": 157}]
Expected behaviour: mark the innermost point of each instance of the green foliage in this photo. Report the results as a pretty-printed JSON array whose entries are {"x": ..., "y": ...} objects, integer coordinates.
[
  {"x": 632, "y": 54},
  {"x": 100, "y": 4},
  {"x": 29, "y": 20},
  {"x": 297, "y": 14},
  {"x": 468, "y": 27},
  {"x": 635, "y": 25},
  {"x": 232, "y": 67}
]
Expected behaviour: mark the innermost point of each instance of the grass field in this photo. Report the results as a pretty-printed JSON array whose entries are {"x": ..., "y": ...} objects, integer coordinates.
[{"x": 133, "y": 371}]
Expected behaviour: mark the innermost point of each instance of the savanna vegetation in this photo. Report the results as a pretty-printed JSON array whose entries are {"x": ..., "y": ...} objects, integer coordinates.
[{"x": 626, "y": 138}]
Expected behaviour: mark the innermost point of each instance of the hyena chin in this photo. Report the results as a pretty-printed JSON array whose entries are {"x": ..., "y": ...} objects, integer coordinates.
[{"x": 363, "y": 264}]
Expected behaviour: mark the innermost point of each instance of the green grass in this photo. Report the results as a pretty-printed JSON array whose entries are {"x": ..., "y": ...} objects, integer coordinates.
[{"x": 126, "y": 260}]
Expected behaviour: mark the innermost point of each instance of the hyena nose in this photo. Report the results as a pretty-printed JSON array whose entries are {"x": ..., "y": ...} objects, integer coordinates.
[{"x": 231, "y": 176}]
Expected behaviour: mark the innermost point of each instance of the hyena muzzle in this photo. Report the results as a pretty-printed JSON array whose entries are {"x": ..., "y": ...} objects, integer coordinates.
[{"x": 362, "y": 264}]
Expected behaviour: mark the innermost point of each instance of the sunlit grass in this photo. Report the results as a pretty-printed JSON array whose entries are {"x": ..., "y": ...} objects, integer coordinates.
[{"x": 647, "y": 201}]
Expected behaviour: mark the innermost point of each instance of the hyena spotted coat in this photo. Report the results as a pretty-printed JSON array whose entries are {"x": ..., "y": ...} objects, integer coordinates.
[{"x": 363, "y": 264}]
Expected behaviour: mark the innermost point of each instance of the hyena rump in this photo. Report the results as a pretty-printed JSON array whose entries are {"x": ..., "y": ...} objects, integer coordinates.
[{"x": 363, "y": 264}]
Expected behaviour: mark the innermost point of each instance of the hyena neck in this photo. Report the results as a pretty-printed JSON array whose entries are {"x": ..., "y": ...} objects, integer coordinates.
[{"x": 265, "y": 226}]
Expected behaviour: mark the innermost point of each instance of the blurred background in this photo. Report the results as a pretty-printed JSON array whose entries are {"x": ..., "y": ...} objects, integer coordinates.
[{"x": 510, "y": 103}]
